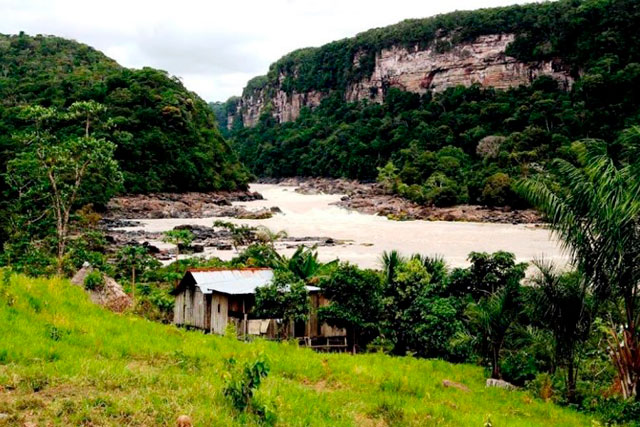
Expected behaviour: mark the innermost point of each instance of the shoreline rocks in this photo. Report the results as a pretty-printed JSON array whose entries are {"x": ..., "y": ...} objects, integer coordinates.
[
  {"x": 370, "y": 198},
  {"x": 178, "y": 205}
]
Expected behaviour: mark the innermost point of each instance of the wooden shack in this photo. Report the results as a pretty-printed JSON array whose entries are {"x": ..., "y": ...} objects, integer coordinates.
[{"x": 210, "y": 299}]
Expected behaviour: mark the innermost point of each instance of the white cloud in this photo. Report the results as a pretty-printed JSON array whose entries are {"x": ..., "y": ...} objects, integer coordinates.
[{"x": 213, "y": 46}]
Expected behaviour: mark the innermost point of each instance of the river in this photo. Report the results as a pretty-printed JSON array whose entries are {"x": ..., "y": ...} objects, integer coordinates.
[{"x": 367, "y": 236}]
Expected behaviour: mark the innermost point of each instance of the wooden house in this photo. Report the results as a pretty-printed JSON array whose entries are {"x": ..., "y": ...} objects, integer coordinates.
[{"x": 210, "y": 299}]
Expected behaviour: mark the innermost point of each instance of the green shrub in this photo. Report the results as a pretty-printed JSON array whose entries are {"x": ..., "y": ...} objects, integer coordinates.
[
  {"x": 241, "y": 385},
  {"x": 94, "y": 280},
  {"x": 615, "y": 410}
]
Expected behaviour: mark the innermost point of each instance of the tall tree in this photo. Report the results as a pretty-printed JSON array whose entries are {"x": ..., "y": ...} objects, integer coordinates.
[
  {"x": 563, "y": 304},
  {"x": 492, "y": 317},
  {"x": 595, "y": 213},
  {"x": 55, "y": 170}
]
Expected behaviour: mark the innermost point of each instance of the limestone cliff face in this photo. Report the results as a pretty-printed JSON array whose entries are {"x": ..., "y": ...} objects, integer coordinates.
[{"x": 434, "y": 68}]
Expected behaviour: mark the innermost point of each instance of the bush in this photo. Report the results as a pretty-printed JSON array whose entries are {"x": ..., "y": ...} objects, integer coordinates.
[
  {"x": 518, "y": 367},
  {"x": 94, "y": 280},
  {"x": 615, "y": 410},
  {"x": 497, "y": 190},
  {"x": 241, "y": 386}
]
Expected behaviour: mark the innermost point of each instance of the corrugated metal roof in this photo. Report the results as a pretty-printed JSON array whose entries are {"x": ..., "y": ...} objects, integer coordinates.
[{"x": 234, "y": 281}]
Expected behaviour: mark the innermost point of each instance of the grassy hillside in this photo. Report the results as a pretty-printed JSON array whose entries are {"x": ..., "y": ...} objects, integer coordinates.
[{"x": 64, "y": 361}]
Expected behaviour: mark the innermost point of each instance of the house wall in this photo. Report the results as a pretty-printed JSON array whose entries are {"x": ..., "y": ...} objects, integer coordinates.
[
  {"x": 190, "y": 308},
  {"x": 178, "y": 309},
  {"x": 214, "y": 312},
  {"x": 314, "y": 327},
  {"x": 219, "y": 313}
]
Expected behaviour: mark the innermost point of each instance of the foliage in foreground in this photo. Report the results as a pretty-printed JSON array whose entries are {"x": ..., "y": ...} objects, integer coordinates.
[{"x": 63, "y": 359}]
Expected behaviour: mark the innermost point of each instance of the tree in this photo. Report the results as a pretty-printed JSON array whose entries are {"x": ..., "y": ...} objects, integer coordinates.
[
  {"x": 137, "y": 260},
  {"x": 595, "y": 212},
  {"x": 266, "y": 236},
  {"x": 487, "y": 274},
  {"x": 402, "y": 297},
  {"x": 180, "y": 238},
  {"x": 355, "y": 302},
  {"x": 562, "y": 302},
  {"x": 388, "y": 177},
  {"x": 55, "y": 170},
  {"x": 286, "y": 298},
  {"x": 390, "y": 262},
  {"x": 491, "y": 318},
  {"x": 497, "y": 190}
]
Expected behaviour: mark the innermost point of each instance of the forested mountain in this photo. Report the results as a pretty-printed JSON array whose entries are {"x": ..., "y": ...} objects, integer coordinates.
[
  {"x": 448, "y": 109},
  {"x": 166, "y": 137}
]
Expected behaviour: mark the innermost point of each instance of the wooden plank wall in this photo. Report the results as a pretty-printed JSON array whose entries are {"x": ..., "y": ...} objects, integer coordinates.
[
  {"x": 178, "y": 309},
  {"x": 219, "y": 313},
  {"x": 190, "y": 308},
  {"x": 199, "y": 310}
]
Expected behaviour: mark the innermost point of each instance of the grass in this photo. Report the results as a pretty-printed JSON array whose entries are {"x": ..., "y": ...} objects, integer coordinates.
[{"x": 64, "y": 361}]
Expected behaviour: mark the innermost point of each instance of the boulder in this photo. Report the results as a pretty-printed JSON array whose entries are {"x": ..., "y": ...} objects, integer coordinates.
[
  {"x": 492, "y": 382},
  {"x": 110, "y": 295}
]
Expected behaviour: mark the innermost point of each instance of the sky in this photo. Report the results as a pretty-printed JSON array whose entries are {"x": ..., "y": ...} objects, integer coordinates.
[{"x": 213, "y": 46}]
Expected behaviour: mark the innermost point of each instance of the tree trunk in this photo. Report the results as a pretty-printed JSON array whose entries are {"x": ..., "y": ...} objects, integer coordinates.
[
  {"x": 353, "y": 341},
  {"x": 60, "y": 255},
  {"x": 571, "y": 382},
  {"x": 495, "y": 364},
  {"x": 61, "y": 248},
  {"x": 133, "y": 284}
]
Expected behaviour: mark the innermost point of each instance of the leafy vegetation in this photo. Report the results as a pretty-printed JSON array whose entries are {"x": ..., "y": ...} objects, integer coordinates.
[
  {"x": 165, "y": 136},
  {"x": 54, "y": 175},
  {"x": 465, "y": 145},
  {"x": 595, "y": 212}
]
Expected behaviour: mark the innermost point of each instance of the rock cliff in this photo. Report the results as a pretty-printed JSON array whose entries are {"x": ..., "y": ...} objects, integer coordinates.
[{"x": 436, "y": 67}]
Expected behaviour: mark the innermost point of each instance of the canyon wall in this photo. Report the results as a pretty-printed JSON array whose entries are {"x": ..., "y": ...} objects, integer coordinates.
[{"x": 435, "y": 68}]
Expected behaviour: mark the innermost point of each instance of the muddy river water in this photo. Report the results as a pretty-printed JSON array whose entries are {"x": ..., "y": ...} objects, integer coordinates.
[{"x": 366, "y": 236}]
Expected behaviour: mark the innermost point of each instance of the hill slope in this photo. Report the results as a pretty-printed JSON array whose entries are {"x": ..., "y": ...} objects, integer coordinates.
[
  {"x": 167, "y": 137},
  {"x": 64, "y": 360}
]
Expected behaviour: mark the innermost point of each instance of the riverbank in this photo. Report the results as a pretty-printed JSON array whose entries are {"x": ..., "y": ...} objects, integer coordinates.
[{"x": 370, "y": 198}]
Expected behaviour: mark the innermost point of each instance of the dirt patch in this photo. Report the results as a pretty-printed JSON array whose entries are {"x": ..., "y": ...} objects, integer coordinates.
[{"x": 322, "y": 386}]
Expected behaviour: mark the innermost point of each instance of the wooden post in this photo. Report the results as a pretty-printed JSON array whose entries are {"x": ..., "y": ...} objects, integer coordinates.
[{"x": 244, "y": 315}]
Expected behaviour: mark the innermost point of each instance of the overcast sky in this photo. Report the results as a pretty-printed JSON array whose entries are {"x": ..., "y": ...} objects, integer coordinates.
[{"x": 213, "y": 46}]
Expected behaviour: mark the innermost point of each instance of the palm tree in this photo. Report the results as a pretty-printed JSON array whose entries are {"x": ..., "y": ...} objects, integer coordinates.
[
  {"x": 435, "y": 265},
  {"x": 390, "y": 262},
  {"x": 267, "y": 236},
  {"x": 563, "y": 303},
  {"x": 594, "y": 212},
  {"x": 305, "y": 265},
  {"x": 492, "y": 317}
]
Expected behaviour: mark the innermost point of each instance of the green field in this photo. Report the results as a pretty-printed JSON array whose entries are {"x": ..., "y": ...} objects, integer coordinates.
[{"x": 64, "y": 361}]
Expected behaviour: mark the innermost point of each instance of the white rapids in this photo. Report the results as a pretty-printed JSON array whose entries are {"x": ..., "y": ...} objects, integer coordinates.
[{"x": 367, "y": 236}]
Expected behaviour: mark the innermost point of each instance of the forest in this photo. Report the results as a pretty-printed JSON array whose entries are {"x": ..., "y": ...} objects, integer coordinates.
[
  {"x": 464, "y": 145},
  {"x": 165, "y": 136}
]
